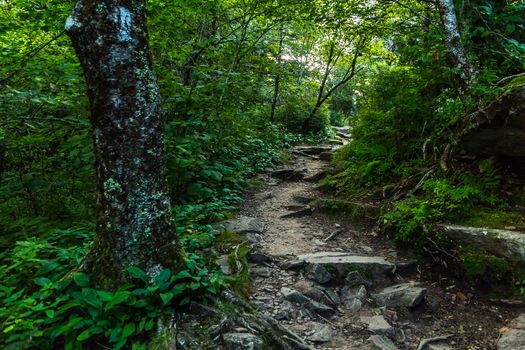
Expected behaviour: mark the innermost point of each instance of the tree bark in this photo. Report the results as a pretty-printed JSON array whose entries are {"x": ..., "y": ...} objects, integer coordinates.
[
  {"x": 453, "y": 43},
  {"x": 134, "y": 219},
  {"x": 277, "y": 79}
]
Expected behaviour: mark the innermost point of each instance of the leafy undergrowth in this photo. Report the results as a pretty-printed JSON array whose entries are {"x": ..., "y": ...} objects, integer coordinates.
[{"x": 46, "y": 303}]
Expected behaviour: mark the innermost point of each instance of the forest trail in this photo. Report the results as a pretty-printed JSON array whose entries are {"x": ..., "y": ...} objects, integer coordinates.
[{"x": 383, "y": 301}]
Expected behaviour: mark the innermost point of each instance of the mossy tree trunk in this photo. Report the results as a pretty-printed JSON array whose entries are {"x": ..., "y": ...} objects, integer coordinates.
[{"x": 134, "y": 221}]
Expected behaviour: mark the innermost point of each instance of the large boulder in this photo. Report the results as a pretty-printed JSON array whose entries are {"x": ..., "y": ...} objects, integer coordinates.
[
  {"x": 507, "y": 244},
  {"x": 498, "y": 129},
  {"x": 513, "y": 338}
]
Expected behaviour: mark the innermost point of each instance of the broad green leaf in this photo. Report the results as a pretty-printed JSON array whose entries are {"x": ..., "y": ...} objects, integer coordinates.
[
  {"x": 163, "y": 276},
  {"x": 128, "y": 330},
  {"x": 81, "y": 279},
  {"x": 166, "y": 297},
  {"x": 138, "y": 273}
]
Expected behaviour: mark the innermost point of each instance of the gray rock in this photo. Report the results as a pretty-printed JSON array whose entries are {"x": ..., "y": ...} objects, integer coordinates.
[
  {"x": 344, "y": 129},
  {"x": 243, "y": 224},
  {"x": 375, "y": 266},
  {"x": 259, "y": 259},
  {"x": 260, "y": 271},
  {"x": 334, "y": 142},
  {"x": 242, "y": 341},
  {"x": 264, "y": 195},
  {"x": 313, "y": 150},
  {"x": 298, "y": 213},
  {"x": 324, "y": 296},
  {"x": 224, "y": 264},
  {"x": 379, "y": 342},
  {"x": 514, "y": 338},
  {"x": 353, "y": 298},
  {"x": 378, "y": 325},
  {"x": 504, "y": 243},
  {"x": 404, "y": 295},
  {"x": 303, "y": 199},
  {"x": 318, "y": 273},
  {"x": 434, "y": 343},
  {"x": 342, "y": 135},
  {"x": 439, "y": 347},
  {"x": 310, "y": 304},
  {"x": 355, "y": 278},
  {"x": 322, "y": 333},
  {"x": 289, "y": 174}
]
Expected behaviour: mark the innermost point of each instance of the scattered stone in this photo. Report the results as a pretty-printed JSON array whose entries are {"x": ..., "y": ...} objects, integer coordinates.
[
  {"x": 324, "y": 296},
  {"x": 378, "y": 325},
  {"x": 224, "y": 265},
  {"x": 259, "y": 259},
  {"x": 366, "y": 249},
  {"x": 313, "y": 150},
  {"x": 355, "y": 278},
  {"x": 353, "y": 298},
  {"x": 510, "y": 302},
  {"x": 334, "y": 234},
  {"x": 298, "y": 213},
  {"x": 293, "y": 264},
  {"x": 343, "y": 129},
  {"x": 312, "y": 305},
  {"x": 334, "y": 142},
  {"x": 404, "y": 295},
  {"x": 377, "y": 267},
  {"x": 318, "y": 273},
  {"x": 380, "y": 342},
  {"x": 289, "y": 174},
  {"x": 242, "y": 341},
  {"x": 303, "y": 199},
  {"x": 260, "y": 271},
  {"x": 513, "y": 337},
  {"x": 333, "y": 297},
  {"x": 439, "y": 347},
  {"x": 264, "y": 195},
  {"x": 243, "y": 224},
  {"x": 426, "y": 344},
  {"x": 322, "y": 333}
]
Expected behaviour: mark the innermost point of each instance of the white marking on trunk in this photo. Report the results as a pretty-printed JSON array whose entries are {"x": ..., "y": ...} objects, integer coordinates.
[{"x": 124, "y": 17}]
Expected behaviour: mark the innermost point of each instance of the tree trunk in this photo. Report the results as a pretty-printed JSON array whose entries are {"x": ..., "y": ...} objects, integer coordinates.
[
  {"x": 447, "y": 12},
  {"x": 277, "y": 79},
  {"x": 134, "y": 219}
]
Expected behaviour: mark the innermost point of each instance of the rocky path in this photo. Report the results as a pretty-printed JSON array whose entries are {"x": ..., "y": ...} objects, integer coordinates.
[{"x": 339, "y": 285}]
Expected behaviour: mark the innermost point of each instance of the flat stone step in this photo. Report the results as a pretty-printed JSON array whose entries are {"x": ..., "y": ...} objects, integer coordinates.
[
  {"x": 313, "y": 150},
  {"x": 375, "y": 266}
]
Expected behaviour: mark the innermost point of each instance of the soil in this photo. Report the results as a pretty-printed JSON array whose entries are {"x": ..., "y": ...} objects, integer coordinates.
[{"x": 474, "y": 322}]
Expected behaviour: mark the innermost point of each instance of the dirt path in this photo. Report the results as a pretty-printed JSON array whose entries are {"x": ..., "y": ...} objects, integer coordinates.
[{"x": 335, "y": 311}]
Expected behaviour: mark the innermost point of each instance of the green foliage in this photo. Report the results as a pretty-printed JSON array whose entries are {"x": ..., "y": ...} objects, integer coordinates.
[
  {"x": 481, "y": 266},
  {"x": 46, "y": 304},
  {"x": 442, "y": 199}
]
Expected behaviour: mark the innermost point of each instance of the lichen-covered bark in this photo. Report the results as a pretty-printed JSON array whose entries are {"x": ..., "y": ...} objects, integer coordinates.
[
  {"x": 453, "y": 43},
  {"x": 134, "y": 225}
]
